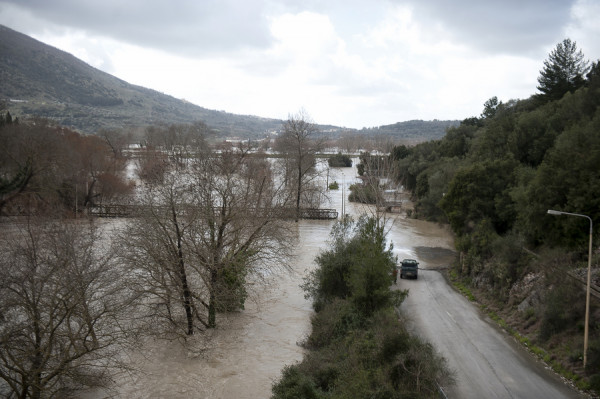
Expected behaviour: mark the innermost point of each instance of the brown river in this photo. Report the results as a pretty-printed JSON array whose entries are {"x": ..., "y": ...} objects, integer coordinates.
[{"x": 245, "y": 354}]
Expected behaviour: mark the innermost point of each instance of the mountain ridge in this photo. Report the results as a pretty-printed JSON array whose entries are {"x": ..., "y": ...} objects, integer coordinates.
[{"x": 41, "y": 80}]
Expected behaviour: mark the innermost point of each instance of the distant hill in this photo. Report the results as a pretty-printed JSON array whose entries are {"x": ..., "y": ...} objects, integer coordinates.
[
  {"x": 415, "y": 130},
  {"x": 41, "y": 80},
  {"x": 37, "y": 79}
]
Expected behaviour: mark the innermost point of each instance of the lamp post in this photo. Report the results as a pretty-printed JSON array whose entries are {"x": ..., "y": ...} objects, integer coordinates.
[
  {"x": 343, "y": 194},
  {"x": 589, "y": 278}
]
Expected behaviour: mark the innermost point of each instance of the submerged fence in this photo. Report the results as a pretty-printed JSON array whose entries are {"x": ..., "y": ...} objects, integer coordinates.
[{"x": 130, "y": 210}]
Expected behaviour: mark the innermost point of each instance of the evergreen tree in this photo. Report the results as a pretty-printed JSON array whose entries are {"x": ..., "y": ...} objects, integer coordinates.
[
  {"x": 564, "y": 71},
  {"x": 490, "y": 107}
]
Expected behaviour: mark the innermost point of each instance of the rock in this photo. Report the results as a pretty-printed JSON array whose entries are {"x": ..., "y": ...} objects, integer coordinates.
[{"x": 525, "y": 292}]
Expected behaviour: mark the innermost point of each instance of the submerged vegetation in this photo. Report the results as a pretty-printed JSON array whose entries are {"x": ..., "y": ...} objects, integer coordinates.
[{"x": 207, "y": 222}]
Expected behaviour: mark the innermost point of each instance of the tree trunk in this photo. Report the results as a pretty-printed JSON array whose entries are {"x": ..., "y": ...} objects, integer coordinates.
[
  {"x": 299, "y": 191},
  {"x": 212, "y": 307},
  {"x": 187, "y": 299},
  {"x": 187, "y": 295},
  {"x": 36, "y": 365}
]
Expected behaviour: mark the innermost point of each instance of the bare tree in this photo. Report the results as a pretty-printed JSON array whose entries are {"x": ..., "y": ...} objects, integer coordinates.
[
  {"x": 155, "y": 250},
  {"x": 349, "y": 142},
  {"x": 299, "y": 144},
  {"x": 207, "y": 229},
  {"x": 45, "y": 167},
  {"x": 62, "y": 310},
  {"x": 378, "y": 184},
  {"x": 117, "y": 141},
  {"x": 177, "y": 141}
]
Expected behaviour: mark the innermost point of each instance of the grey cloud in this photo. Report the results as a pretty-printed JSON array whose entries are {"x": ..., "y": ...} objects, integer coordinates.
[
  {"x": 187, "y": 27},
  {"x": 526, "y": 27}
]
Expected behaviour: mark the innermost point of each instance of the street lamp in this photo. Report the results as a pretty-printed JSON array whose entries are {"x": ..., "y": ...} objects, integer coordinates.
[
  {"x": 589, "y": 278},
  {"x": 343, "y": 194}
]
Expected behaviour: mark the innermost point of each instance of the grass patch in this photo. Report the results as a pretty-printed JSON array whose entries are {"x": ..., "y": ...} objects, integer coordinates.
[{"x": 460, "y": 286}]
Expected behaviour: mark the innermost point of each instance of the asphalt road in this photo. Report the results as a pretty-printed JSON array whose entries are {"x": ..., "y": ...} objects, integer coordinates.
[{"x": 486, "y": 361}]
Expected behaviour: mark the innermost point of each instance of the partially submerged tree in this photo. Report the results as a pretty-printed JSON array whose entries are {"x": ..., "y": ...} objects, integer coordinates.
[
  {"x": 62, "y": 310},
  {"x": 358, "y": 266},
  {"x": 45, "y": 168},
  {"x": 177, "y": 141},
  {"x": 205, "y": 232},
  {"x": 378, "y": 184},
  {"x": 299, "y": 143}
]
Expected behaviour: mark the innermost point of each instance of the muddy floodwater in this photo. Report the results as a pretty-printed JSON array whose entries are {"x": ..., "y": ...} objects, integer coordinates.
[{"x": 245, "y": 354}]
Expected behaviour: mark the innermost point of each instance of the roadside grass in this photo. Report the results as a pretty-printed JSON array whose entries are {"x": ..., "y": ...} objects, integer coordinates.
[
  {"x": 548, "y": 358},
  {"x": 460, "y": 286}
]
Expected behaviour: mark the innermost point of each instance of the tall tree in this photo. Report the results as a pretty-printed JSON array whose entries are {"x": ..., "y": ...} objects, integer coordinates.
[
  {"x": 490, "y": 107},
  {"x": 62, "y": 310},
  {"x": 207, "y": 228},
  {"x": 564, "y": 71},
  {"x": 299, "y": 143}
]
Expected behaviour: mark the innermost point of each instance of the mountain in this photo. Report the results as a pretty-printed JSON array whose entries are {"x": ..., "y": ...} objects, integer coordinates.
[
  {"x": 41, "y": 80},
  {"x": 37, "y": 79}
]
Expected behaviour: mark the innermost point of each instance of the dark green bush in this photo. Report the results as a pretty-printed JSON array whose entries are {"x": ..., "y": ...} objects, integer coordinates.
[
  {"x": 364, "y": 194},
  {"x": 357, "y": 266},
  {"x": 563, "y": 308},
  {"x": 339, "y": 161},
  {"x": 295, "y": 384},
  {"x": 358, "y": 348}
]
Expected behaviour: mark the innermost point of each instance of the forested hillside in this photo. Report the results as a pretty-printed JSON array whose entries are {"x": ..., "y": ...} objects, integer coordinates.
[
  {"x": 416, "y": 130},
  {"x": 494, "y": 177}
]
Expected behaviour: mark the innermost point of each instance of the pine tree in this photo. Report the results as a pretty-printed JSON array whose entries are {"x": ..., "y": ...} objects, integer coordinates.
[{"x": 564, "y": 71}]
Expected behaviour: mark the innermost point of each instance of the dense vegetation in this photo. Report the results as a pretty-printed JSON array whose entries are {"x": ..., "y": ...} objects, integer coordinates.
[
  {"x": 339, "y": 160},
  {"x": 45, "y": 168},
  {"x": 358, "y": 348},
  {"x": 494, "y": 177},
  {"x": 416, "y": 130}
]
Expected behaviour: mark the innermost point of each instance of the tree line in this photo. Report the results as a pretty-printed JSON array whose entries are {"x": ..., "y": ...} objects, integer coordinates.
[
  {"x": 493, "y": 178},
  {"x": 74, "y": 294}
]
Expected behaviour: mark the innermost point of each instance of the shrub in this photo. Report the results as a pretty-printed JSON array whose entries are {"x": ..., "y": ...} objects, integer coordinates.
[
  {"x": 358, "y": 348},
  {"x": 357, "y": 266},
  {"x": 294, "y": 384},
  {"x": 365, "y": 194},
  {"x": 561, "y": 309},
  {"x": 339, "y": 161}
]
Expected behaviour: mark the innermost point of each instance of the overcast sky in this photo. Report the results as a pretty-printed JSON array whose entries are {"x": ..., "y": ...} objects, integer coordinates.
[{"x": 352, "y": 63}]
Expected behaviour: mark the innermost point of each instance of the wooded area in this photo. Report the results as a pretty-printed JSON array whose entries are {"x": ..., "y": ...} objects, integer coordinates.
[
  {"x": 494, "y": 177},
  {"x": 208, "y": 222}
]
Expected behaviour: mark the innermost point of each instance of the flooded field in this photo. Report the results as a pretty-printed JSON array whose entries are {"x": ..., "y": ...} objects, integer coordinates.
[{"x": 245, "y": 354}]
